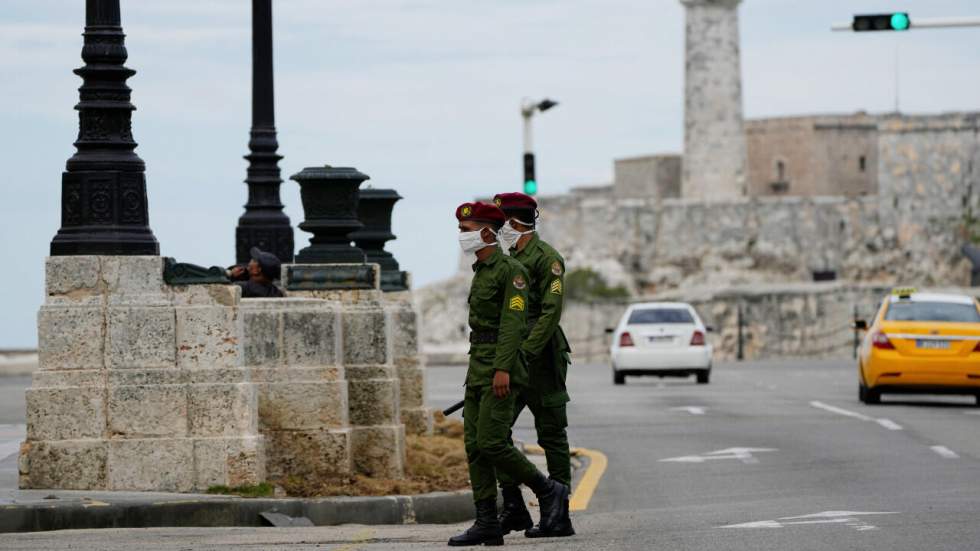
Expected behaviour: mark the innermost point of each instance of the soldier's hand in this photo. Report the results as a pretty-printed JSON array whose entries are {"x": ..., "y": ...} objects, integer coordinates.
[
  {"x": 501, "y": 384},
  {"x": 237, "y": 271}
]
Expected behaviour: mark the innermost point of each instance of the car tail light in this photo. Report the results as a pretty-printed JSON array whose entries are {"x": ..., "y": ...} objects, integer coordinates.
[
  {"x": 625, "y": 339},
  {"x": 977, "y": 347},
  {"x": 880, "y": 340},
  {"x": 697, "y": 339}
]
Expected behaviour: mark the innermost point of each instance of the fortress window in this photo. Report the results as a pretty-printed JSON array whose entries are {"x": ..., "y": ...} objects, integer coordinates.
[
  {"x": 780, "y": 171},
  {"x": 862, "y": 162}
]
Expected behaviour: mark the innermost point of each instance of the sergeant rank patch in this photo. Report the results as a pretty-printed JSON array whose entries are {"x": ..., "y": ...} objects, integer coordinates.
[
  {"x": 556, "y": 268},
  {"x": 519, "y": 282},
  {"x": 517, "y": 303},
  {"x": 556, "y": 287}
]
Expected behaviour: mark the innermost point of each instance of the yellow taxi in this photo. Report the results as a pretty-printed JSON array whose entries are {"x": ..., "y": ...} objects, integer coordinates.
[{"x": 921, "y": 343}]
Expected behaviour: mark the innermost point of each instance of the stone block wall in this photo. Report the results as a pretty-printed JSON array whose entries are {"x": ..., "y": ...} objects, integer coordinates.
[{"x": 141, "y": 386}]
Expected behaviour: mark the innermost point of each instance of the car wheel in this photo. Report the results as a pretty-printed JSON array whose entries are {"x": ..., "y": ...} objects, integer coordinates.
[
  {"x": 869, "y": 395},
  {"x": 703, "y": 376},
  {"x": 618, "y": 378}
]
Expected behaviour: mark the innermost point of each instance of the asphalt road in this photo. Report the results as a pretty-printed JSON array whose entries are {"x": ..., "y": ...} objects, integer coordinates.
[{"x": 769, "y": 456}]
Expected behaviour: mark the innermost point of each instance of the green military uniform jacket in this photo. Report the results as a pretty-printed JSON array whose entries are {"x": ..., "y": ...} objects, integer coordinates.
[
  {"x": 546, "y": 347},
  {"x": 498, "y": 306}
]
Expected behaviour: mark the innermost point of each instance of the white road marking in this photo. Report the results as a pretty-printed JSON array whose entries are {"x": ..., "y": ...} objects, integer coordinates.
[
  {"x": 887, "y": 423},
  {"x": 693, "y": 410},
  {"x": 974, "y": 412},
  {"x": 8, "y": 448},
  {"x": 742, "y": 454},
  {"x": 10, "y": 438},
  {"x": 847, "y": 518},
  {"x": 944, "y": 452}
]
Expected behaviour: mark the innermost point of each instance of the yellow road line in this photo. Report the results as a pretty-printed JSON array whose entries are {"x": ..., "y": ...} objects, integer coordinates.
[
  {"x": 590, "y": 480},
  {"x": 579, "y": 500}
]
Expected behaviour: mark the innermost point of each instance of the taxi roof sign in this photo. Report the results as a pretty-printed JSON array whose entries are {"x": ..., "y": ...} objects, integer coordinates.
[{"x": 903, "y": 292}]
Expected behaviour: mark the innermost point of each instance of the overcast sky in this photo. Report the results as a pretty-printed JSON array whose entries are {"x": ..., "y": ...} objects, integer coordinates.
[{"x": 422, "y": 95}]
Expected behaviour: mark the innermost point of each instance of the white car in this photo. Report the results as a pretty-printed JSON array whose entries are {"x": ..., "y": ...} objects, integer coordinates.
[{"x": 663, "y": 339}]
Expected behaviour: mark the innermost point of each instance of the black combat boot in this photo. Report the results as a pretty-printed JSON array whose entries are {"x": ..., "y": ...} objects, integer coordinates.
[
  {"x": 553, "y": 501},
  {"x": 486, "y": 529},
  {"x": 514, "y": 517}
]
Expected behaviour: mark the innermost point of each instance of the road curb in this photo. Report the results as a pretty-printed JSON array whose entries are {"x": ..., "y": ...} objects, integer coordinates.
[{"x": 209, "y": 512}]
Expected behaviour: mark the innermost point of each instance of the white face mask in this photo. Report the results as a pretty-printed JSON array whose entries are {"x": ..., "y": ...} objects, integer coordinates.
[
  {"x": 509, "y": 237},
  {"x": 472, "y": 241}
]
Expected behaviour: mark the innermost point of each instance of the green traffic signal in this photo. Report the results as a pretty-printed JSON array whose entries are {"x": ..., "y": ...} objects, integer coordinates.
[
  {"x": 900, "y": 21},
  {"x": 530, "y": 187}
]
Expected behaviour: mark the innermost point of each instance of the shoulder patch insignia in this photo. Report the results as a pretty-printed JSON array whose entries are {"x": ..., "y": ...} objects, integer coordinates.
[
  {"x": 517, "y": 303},
  {"x": 556, "y": 287},
  {"x": 556, "y": 268},
  {"x": 519, "y": 282}
]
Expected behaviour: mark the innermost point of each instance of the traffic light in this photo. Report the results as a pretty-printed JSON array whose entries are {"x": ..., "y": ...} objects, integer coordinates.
[
  {"x": 530, "y": 183},
  {"x": 897, "y": 21}
]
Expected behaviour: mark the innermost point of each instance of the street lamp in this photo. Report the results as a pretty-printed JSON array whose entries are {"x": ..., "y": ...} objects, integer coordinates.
[{"x": 528, "y": 108}]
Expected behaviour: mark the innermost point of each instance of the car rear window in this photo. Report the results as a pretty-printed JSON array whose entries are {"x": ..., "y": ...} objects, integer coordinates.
[
  {"x": 932, "y": 311},
  {"x": 660, "y": 315}
]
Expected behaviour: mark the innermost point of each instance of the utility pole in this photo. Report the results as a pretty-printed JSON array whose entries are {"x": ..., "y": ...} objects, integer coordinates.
[{"x": 528, "y": 108}]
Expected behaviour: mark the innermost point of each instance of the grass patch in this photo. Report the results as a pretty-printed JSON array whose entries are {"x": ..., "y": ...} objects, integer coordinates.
[
  {"x": 432, "y": 464},
  {"x": 263, "y": 489}
]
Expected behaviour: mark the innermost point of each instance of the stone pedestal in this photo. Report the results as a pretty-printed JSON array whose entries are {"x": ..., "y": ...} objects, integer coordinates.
[
  {"x": 403, "y": 320},
  {"x": 141, "y": 385}
]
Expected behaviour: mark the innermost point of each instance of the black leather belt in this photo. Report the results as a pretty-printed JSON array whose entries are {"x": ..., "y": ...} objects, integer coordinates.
[{"x": 483, "y": 337}]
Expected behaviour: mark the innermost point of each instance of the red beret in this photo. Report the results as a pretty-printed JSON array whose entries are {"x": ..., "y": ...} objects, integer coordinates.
[
  {"x": 515, "y": 201},
  {"x": 480, "y": 212}
]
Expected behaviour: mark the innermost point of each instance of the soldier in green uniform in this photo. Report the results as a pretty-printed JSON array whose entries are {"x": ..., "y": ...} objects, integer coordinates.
[
  {"x": 547, "y": 352},
  {"x": 497, "y": 319}
]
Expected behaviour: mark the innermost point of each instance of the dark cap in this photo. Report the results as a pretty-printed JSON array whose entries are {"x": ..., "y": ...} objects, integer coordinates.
[
  {"x": 480, "y": 212},
  {"x": 517, "y": 205},
  {"x": 269, "y": 262}
]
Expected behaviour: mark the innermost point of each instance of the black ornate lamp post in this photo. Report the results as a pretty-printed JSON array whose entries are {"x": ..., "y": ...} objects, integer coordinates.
[
  {"x": 264, "y": 225},
  {"x": 330, "y": 197},
  {"x": 374, "y": 211},
  {"x": 103, "y": 189}
]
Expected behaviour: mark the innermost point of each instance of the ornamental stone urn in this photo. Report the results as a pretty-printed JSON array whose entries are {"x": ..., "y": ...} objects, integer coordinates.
[
  {"x": 374, "y": 211},
  {"x": 329, "y": 196}
]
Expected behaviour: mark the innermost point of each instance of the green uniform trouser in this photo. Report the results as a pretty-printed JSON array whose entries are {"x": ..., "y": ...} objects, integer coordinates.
[
  {"x": 486, "y": 433},
  {"x": 550, "y": 421}
]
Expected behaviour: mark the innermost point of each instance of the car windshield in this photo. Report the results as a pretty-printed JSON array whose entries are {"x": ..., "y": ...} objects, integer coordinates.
[
  {"x": 660, "y": 315},
  {"x": 932, "y": 311}
]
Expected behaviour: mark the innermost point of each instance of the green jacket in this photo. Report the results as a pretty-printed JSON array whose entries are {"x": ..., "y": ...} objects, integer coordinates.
[
  {"x": 546, "y": 346},
  {"x": 498, "y": 305}
]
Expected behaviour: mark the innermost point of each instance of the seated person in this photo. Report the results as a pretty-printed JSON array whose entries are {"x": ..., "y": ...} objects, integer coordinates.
[{"x": 256, "y": 279}]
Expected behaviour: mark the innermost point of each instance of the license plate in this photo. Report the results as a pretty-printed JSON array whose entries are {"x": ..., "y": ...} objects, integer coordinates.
[
  {"x": 932, "y": 344},
  {"x": 660, "y": 339}
]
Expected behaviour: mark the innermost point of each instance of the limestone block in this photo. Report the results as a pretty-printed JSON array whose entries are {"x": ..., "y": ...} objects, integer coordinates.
[
  {"x": 222, "y": 409},
  {"x": 359, "y": 372},
  {"x": 404, "y": 330},
  {"x": 70, "y": 337},
  {"x": 141, "y": 337},
  {"x": 379, "y": 451},
  {"x": 296, "y": 374},
  {"x": 158, "y": 464},
  {"x": 308, "y": 453},
  {"x": 67, "y": 465},
  {"x": 365, "y": 337},
  {"x": 75, "y": 377},
  {"x": 417, "y": 420},
  {"x": 303, "y": 405},
  {"x": 228, "y": 375},
  {"x": 262, "y": 330},
  {"x": 65, "y": 413},
  {"x": 145, "y": 377},
  {"x": 72, "y": 279},
  {"x": 206, "y": 295},
  {"x": 411, "y": 384},
  {"x": 208, "y": 337},
  {"x": 135, "y": 280},
  {"x": 373, "y": 401},
  {"x": 140, "y": 411},
  {"x": 229, "y": 462},
  {"x": 310, "y": 337}
]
